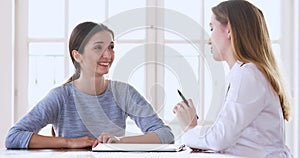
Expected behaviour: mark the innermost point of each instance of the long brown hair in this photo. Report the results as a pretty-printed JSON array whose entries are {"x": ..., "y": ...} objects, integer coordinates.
[
  {"x": 80, "y": 36},
  {"x": 251, "y": 43}
]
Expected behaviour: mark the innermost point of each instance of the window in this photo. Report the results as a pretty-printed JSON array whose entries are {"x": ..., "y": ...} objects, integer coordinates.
[{"x": 161, "y": 46}]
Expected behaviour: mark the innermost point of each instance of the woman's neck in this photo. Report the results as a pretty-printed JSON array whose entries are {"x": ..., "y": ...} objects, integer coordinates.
[
  {"x": 231, "y": 63},
  {"x": 91, "y": 85}
]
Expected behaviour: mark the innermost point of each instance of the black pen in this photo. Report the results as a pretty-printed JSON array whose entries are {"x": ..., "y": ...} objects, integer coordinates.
[{"x": 184, "y": 100}]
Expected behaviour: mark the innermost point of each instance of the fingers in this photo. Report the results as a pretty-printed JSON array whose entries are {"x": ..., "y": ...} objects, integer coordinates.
[
  {"x": 111, "y": 140},
  {"x": 175, "y": 109},
  {"x": 190, "y": 101},
  {"x": 95, "y": 143},
  {"x": 179, "y": 107},
  {"x": 185, "y": 114},
  {"x": 80, "y": 142},
  {"x": 107, "y": 138},
  {"x": 103, "y": 138},
  {"x": 90, "y": 141}
]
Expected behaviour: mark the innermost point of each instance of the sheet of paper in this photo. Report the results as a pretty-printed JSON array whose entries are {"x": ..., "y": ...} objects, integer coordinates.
[{"x": 139, "y": 147}]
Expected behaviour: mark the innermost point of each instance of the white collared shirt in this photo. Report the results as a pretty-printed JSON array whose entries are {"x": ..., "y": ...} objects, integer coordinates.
[{"x": 250, "y": 122}]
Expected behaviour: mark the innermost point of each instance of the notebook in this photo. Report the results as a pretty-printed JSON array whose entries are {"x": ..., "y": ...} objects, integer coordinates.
[{"x": 139, "y": 147}]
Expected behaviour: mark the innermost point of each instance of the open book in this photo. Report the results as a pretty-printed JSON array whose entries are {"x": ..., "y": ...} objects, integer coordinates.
[{"x": 139, "y": 147}]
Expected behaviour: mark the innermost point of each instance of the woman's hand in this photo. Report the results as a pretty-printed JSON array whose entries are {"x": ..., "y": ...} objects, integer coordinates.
[
  {"x": 186, "y": 115},
  {"x": 81, "y": 142},
  {"x": 108, "y": 138},
  {"x": 47, "y": 142}
]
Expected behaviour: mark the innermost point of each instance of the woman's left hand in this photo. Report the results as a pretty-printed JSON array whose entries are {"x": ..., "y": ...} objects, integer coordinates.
[{"x": 108, "y": 138}]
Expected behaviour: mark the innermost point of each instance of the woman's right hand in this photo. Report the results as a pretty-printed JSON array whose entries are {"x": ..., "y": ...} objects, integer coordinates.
[
  {"x": 186, "y": 114},
  {"x": 81, "y": 142},
  {"x": 47, "y": 142}
]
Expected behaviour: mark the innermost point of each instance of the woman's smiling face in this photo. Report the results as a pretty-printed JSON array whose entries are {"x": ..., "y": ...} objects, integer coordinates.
[{"x": 98, "y": 54}]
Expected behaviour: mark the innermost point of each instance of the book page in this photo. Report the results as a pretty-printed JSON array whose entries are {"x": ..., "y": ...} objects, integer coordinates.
[{"x": 139, "y": 147}]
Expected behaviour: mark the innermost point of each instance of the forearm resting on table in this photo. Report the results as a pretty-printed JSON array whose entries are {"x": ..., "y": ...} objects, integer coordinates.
[
  {"x": 39, "y": 141},
  {"x": 149, "y": 138}
]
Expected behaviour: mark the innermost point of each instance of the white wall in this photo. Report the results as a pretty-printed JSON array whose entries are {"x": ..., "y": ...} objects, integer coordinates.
[{"x": 6, "y": 68}]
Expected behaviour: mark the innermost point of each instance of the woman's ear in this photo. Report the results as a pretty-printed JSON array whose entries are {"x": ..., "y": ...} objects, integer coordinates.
[
  {"x": 228, "y": 31},
  {"x": 228, "y": 35},
  {"x": 76, "y": 55}
]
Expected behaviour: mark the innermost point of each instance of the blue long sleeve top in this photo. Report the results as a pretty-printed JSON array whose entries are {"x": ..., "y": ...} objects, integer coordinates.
[{"x": 75, "y": 114}]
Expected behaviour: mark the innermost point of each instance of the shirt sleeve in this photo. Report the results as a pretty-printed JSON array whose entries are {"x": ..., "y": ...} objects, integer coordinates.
[
  {"x": 244, "y": 101},
  {"x": 139, "y": 110},
  {"x": 146, "y": 118},
  {"x": 45, "y": 112}
]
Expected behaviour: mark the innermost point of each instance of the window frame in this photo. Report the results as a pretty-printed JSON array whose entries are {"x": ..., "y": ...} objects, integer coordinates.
[{"x": 290, "y": 60}]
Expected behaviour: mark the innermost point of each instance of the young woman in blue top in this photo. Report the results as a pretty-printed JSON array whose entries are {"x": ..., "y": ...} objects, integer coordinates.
[{"x": 89, "y": 109}]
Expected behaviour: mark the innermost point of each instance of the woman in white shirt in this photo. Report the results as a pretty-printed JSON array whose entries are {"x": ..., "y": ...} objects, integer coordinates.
[{"x": 256, "y": 105}]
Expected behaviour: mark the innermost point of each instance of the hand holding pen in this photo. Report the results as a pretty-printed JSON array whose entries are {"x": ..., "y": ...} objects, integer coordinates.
[
  {"x": 184, "y": 100},
  {"x": 186, "y": 113}
]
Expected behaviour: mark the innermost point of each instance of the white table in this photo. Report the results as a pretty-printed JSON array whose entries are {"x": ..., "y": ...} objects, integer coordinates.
[{"x": 85, "y": 153}]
